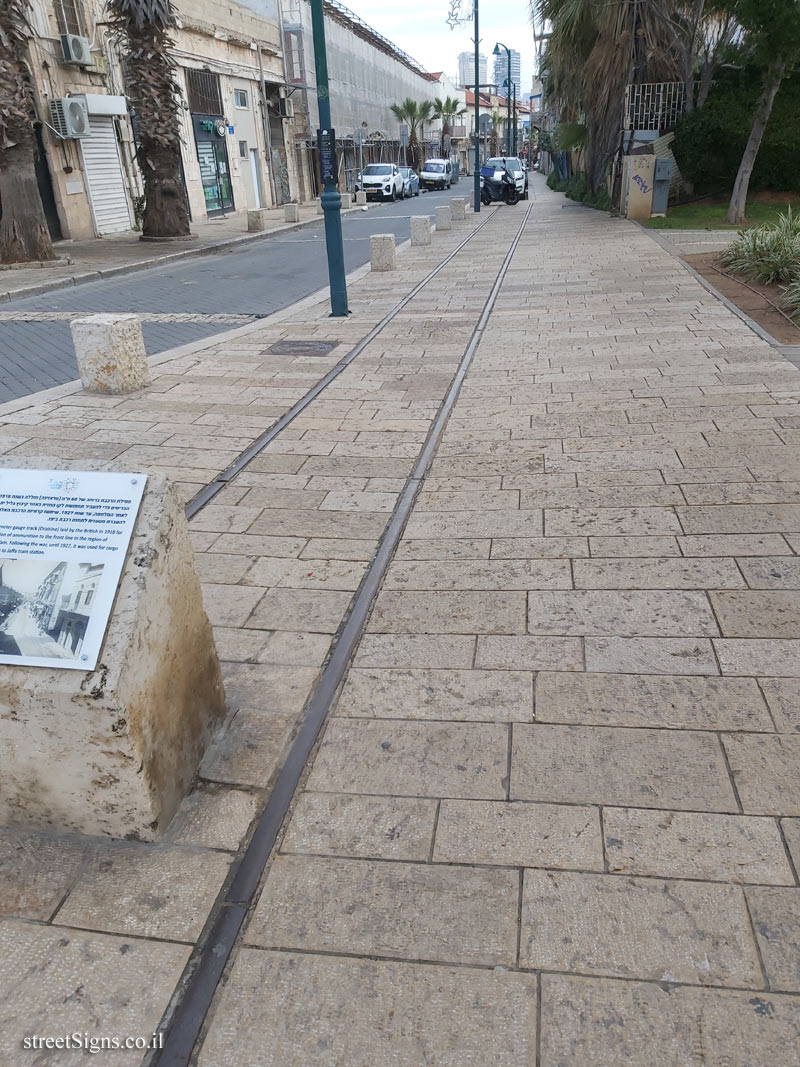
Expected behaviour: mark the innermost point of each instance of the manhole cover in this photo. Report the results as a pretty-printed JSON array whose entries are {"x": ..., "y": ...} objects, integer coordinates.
[{"x": 301, "y": 348}]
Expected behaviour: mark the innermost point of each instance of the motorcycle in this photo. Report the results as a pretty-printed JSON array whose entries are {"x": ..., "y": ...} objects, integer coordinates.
[{"x": 493, "y": 190}]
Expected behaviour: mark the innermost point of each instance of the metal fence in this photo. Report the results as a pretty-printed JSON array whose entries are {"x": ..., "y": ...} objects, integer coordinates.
[{"x": 654, "y": 105}]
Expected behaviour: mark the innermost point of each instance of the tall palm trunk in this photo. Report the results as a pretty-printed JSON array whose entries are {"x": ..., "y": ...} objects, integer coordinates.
[
  {"x": 150, "y": 77},
  {"x": 24, "y": 236},
  {"x": 772, "y": 82}
]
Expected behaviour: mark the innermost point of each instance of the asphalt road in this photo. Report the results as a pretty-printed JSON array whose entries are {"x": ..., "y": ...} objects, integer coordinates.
[{"x": 189, "y": 301}]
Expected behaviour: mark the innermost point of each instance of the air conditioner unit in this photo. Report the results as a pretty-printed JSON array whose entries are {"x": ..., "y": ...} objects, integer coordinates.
[
  {"x": 70, "y": 117},
  {"x": 76, "y": 50}
]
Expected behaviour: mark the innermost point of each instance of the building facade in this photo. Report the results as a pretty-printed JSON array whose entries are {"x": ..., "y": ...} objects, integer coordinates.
[
  {"x": 500, "y": 74},
  {"x": 248, "y": 115},
  {"x": 466, "y": 69}
]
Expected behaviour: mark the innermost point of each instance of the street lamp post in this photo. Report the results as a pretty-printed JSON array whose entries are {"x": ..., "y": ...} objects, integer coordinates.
[
  {"x": 455, "y": 18},
  {"x": 496, "y": 52},
  {"x": 476, "y": 181},
  {"x": 331, "y": 200}
]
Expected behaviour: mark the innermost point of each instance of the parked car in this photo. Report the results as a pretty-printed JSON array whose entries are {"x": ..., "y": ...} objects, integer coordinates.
[
  {"x": 436, "y": 174},
  {"x": 410, "y": 181},
  {"x": 517, "y": 168},
  {"x": 381, "y": 181}
]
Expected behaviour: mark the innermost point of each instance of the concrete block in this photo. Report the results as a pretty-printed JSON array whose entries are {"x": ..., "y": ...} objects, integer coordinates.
[
  {"x": 361, "y": 198},
  {"x": 110, "y": 353},
  {"x": 113, "y": 751},
  {"x": 444, "y": 218},
  {"x": 458, "y": 207},
  {"x": 420, "y": 230},
  {"x": 257, "y": 220},
  {"x": 291, "y": 212},
  {"x": 382, "y": 252},
  {"x": 320, "y": 209},
  {"x": 347, "y": 201}
]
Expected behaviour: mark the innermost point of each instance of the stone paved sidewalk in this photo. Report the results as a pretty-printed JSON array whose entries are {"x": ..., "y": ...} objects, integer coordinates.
[{"x": 554, "y": 815}]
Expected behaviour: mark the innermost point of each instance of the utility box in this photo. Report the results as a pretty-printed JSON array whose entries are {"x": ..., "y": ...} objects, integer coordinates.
[
  {"x": 640, "y": 170},
  {"x": 661, "y": 183}
]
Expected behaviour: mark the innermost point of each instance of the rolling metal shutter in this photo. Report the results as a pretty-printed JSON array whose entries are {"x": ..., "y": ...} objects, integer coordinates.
[{"x": 103, "y": 169}]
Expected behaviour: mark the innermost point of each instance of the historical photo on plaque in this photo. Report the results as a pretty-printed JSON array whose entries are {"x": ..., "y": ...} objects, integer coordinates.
[{"x": 63, "y": 540}]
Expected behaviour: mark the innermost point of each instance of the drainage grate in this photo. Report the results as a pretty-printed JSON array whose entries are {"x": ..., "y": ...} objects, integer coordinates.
[{"x": 301, "y": 348}]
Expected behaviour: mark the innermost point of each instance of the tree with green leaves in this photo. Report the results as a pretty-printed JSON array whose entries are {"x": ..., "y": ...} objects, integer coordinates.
[
  {"x": 446, "y": 110},
  {"x": 24, "y": 236},
  {"x": 772, "y": 40},
  {"x": 414, "y": 115},
  {"x": 144, "y": 28}
]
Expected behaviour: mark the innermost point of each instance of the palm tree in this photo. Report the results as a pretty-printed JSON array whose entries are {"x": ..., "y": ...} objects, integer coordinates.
[
  {"x": 415, "y": 115},
  {"x": 446, "y": 110},
  {"x": 596, "y": 48},
  {"x": 144, "y": 26},
  {"x": 24, "y": 236},
  {"x": 494, "y": 134}
]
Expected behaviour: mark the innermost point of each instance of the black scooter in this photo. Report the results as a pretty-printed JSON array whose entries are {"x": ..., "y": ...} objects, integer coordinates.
[{"x": 494, "y": 190}]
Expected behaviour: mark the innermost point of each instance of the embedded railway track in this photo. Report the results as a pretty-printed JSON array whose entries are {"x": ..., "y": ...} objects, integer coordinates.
[{"x": 183, "y": 1022}]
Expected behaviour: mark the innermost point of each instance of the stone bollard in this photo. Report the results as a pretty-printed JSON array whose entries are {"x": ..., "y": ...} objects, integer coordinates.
[
  {"x": 256, "y": 220},
  {"x": 320, "y": 208},
  {"x": 114, "y": 751},
  {"x": 291, "y": 212},
  {"x": 347, "y": 201},
  {"x": 361, "y": 198},
  {"x": 444, "y": 219},
  {"x": 382, "y": 252},
  {"x": 110, "y": 353},
  {"x": 458, "y": 207},
  {"x": 420, "y": 230}
]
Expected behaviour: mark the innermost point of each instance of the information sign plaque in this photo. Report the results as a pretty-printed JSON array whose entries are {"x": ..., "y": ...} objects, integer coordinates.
[
  {"x": 326, "y": 140},
  {"x": 63, "y": 540}
]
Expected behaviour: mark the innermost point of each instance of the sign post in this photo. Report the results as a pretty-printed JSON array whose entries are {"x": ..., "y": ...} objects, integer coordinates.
[{"x": 331, "y": 200}]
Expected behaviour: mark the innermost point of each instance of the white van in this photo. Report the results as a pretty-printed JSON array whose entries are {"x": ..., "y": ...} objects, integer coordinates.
[{"x": 436, "y": 174}]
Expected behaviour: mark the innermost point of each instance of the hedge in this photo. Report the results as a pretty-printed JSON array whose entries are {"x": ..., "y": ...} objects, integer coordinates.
[{"x": 709, "y": 141}]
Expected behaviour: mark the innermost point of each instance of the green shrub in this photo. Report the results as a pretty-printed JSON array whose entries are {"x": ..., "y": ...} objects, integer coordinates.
[
  {"x": 767, "y": 254},
  {"x": 791, "y": 299},
  {"x": 576, "y": 188},
  {"x": 709, "y": 141},
  {"x": 554, "y": 182}
]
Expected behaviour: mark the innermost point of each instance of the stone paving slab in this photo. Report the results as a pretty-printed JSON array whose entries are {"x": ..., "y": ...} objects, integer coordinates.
[
  {"x": 615, "y": 491},
  {"x": 597, "y": 1021},
  {"x": 368, "y": 1012}
]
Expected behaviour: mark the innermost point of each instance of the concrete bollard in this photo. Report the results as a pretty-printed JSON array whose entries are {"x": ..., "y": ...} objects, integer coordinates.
[
  {"x": 444, "y": 218},
  {"x": 291, "y": 212},
  {"x": 110, "y": 353},
  {"x": 320, "y": 209},
  {"x": 361, "y": 198},
  {"x": 382, "y": 252},
  {"x": 420, "y": 230},
  {"x": 256, "y": 220},
  {"x": 458, "y": 207},
  {"x": 347, "y": 201}
]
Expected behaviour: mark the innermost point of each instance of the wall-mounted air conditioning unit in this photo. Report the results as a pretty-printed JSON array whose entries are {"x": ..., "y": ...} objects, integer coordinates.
[
  {"x": 75, "y": 50},
  {"x": 70, "y": 117}
]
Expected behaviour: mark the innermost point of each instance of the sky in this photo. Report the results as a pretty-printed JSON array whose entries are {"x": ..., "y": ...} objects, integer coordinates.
[{"x": 420, "y": 28}]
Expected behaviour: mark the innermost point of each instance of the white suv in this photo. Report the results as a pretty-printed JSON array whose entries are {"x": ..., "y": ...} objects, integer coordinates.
[{"x": 382, "y": 181}]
